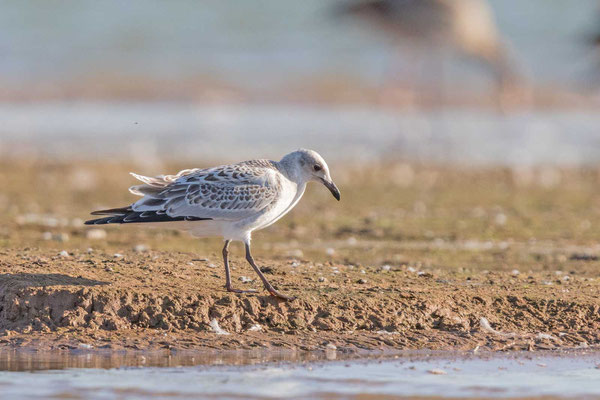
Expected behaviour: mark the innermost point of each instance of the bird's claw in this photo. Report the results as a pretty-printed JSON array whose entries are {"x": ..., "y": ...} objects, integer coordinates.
[{"x": 275, "y": 293}]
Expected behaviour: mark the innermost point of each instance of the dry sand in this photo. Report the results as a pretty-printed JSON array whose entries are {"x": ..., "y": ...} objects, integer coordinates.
[{"x": 438, "y": 260}]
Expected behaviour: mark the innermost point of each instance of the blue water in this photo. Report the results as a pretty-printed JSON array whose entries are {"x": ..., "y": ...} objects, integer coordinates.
[
  {"x": 257, "y": 44},
  {"x": 452, "y": 376},
  {"x": 150, "y": 132}
]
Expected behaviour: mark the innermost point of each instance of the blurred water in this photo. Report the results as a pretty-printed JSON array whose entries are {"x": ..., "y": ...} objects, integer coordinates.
[
  {"x": 488, "y": 377},
  {"x": 259, "y": 46},
  {"x": 255, "y": 44},
  {"x": 149, "y": 132}
]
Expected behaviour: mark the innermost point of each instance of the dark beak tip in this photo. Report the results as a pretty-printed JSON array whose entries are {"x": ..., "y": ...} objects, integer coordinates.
[{"x": 332, "y": 188}]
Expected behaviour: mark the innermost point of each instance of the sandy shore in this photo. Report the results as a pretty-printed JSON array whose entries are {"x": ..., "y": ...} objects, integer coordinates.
[{"x": 434, "y": 259}]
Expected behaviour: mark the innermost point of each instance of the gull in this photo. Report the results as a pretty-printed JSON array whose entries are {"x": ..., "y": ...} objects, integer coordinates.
[{"x": 230, "y": 201}]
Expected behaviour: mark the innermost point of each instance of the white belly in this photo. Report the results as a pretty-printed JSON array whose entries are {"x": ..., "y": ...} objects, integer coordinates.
[{"x": 242, "y": 229}]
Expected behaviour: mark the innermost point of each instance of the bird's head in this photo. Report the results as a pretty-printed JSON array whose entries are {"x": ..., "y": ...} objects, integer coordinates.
[{"x": 308, "y": 166}]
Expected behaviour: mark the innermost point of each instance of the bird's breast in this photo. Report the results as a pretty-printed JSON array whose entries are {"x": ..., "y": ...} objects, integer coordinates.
[{"x": 288, "y": 197}]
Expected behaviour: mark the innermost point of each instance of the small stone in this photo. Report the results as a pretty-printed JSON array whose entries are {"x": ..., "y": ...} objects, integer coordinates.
[
  {"x": 362, "y": 271},
  {"x": 118, "y": 255},
  {"x": 255, "y": 328},
  {"x": 245, "y": 279},
  {"x": 330, "y": 251},
  {"x": 140, "y": 248},
  {"x": 109, "y": 269},
  {"x": 64, "y": 254},
  {"x": 96, "y": 234},
  {"x": 89, "y": 250},
  {"x": 352, "y": 241},
  {"x": 322, "y": 279},
  {"x": 514, "y": 272},
  {"x": 211, "y": 266},
  {"x": 385, "y": 267},
  {"x": 362, "y": 281},
  {"x": 331, "y": 346}
]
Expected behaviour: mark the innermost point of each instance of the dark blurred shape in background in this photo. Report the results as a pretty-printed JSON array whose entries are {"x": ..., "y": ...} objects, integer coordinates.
[
  {"x": 150, "y": 80},
  {"x": 435, "y": 25}
]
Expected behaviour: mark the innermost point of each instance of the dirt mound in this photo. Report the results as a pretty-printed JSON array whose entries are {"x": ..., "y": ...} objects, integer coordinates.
[{"x": 91, "y": 295}]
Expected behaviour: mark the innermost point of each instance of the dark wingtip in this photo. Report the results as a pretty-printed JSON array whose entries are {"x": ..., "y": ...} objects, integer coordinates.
[{"x": 113, "y": 211}]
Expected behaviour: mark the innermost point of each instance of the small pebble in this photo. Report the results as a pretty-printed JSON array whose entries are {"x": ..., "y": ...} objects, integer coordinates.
[
  {"x": 322, "y": 279},
  {"x": 245, "y": 279},
  {"x": 118, "y": 255},
  {"x": 385, "y": 267},
  {"x": 255, "y": 328},
  {"x": 96, "y": 234},
  {"x": 64, "y": 253},
  {"x": 362, "y": 281},
  {"x": 140, "y": 248},
  {"x": 329, "y": 251}
]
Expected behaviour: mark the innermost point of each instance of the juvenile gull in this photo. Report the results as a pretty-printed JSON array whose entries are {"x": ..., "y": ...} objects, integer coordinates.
[{"x": 230, "y": 201}]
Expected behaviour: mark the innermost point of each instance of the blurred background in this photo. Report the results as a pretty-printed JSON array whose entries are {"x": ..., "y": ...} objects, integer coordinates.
[{"x": 501, "y": 82}]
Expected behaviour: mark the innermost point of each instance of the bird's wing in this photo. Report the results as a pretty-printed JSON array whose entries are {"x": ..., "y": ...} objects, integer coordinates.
[{"x": 228, "y": 192}]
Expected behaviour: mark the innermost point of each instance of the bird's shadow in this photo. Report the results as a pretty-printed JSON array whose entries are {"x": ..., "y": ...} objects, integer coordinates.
[{"x": 24, "y": 280}]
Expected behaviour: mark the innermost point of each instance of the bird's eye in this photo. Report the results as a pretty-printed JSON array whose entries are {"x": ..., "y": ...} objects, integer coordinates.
[{"x": 317, "y": 167}]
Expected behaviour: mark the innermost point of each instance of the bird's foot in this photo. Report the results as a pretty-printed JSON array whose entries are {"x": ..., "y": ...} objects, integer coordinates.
[
  {"x": 230, "y": 289},
  {"x": 275, "y": 293}
]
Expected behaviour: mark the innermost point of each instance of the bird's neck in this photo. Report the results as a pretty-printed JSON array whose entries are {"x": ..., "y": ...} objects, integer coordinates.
[{"x": 293, "y": 174}]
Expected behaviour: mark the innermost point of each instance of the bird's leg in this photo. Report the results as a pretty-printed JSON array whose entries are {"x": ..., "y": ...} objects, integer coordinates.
[
  {"x": 264, "y": 280},
  {"x": 227, "y": 274}
]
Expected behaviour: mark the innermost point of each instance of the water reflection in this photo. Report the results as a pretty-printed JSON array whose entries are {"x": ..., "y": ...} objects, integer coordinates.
[
  {"x": 529, "y": 375},
  {"x": 27, "y": 360}
]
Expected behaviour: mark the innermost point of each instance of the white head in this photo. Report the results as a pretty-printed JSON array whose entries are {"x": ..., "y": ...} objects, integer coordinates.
[{"x": 307, "y": 165}]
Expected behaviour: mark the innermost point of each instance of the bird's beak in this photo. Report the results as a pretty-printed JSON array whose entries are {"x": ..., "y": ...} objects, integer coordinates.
[{"x": 332, "y": 188}]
